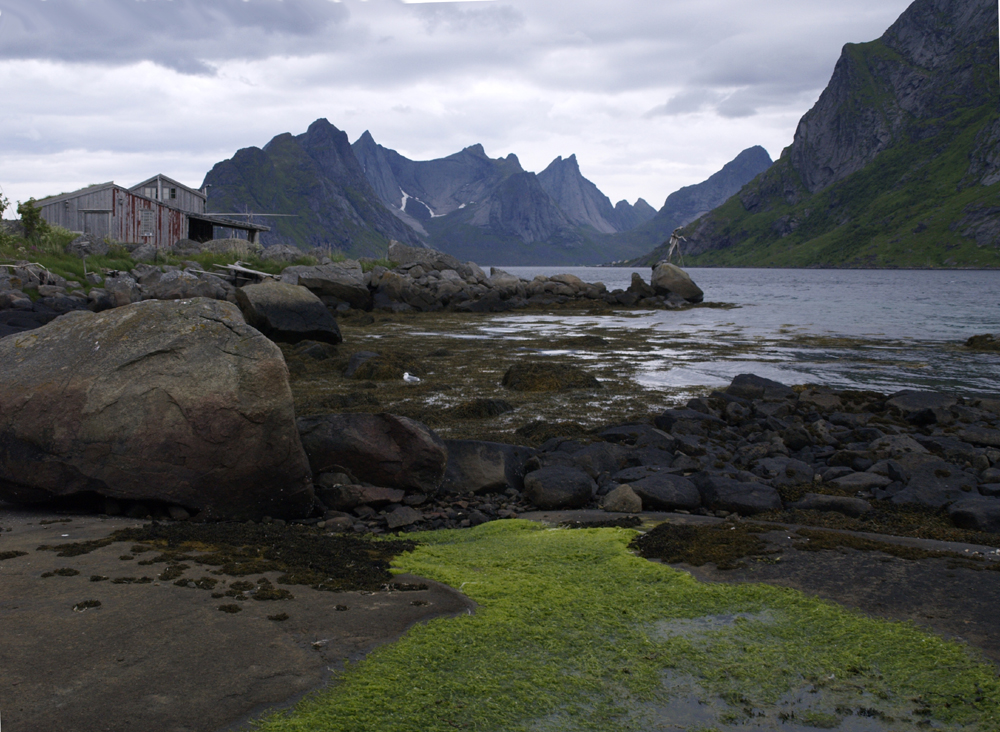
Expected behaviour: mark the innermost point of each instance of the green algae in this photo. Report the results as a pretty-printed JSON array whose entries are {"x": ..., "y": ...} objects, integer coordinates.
[{"x": 573, "y": 632}]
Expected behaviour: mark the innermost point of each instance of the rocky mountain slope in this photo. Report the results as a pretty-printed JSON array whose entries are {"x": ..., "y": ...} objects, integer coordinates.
[
  {"x": 584, "y": 204},
  {"x": 690, "y": 202},
  {"x": 480, "y": 208},
  {"x": 897, "y": 164},
  {"x": 316, "y": 181}
]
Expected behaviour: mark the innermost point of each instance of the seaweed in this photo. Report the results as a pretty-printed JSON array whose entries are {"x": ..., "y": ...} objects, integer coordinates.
[{"x": 722, "y": 544}]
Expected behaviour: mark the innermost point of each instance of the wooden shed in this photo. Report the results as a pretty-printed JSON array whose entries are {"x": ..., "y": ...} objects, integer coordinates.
[{"x": 159, "y": 210}]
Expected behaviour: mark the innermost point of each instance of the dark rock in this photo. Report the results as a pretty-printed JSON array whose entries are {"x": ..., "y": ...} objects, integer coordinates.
[
  {"x": 977, "y": 513},
  {"x": 980, "y": 436},
  {"x": 344, "y": 497},
  {"x": 861, "y": 481},
  {"x": 288, "y": 313},
  {"x": 921, "y": 407},
  {"x": 481, "y": 467},
  {"x": 356, "y": 361},
  {"x": 666, "y": 492},
  {"x": 990, "y": 489},
  {"x": 179, "y": 402},
  {"x": 671, "y": 417},
  {"x": 382, "y": 449},
  {"x": 933, "y": 482},
  {"x": 595, "y": 458},
  {"x": 796, "y": 438},
  {"x": 782, "y": 472},
  {"x": 841, "y": 504},
  {"x": 544, "y": 376},
  {"x": 402, "y": 516},
  {"x": 559, "y": 487},
  {"x": 949, "y": 448},
  {"x": 750, "y": 386},
  {"x": 725, "y": 494},
  {"x": 639, "y": 435}
]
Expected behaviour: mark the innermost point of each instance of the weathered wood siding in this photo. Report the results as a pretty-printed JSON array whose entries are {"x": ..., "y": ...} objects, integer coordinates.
[
  {"x": 171, "y": 193},
  {"x": 68, "y": 212},
  {"x": 138, "y": 220},
  {"x": 119, "y": 214}
]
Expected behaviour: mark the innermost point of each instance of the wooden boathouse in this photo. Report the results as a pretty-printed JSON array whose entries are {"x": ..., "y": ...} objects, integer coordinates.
[{"x": 158, "y": 210}]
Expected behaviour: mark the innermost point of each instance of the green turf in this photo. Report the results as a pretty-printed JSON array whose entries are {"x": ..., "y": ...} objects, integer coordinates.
[{"x": 573, "y": 632}]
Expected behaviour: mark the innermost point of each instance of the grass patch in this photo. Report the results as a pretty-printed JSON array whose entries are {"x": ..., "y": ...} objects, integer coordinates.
[{"x": 574, "y": 632}]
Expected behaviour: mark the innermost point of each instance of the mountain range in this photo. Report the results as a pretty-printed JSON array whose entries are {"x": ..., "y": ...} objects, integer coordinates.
[
  {"x": 897, "y": 164},
  {"x": 358, "y": 197}
]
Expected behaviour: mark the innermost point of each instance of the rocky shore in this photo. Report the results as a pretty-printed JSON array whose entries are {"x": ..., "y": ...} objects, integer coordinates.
[
  {"x": 423, "y": 280},
  {"x": 176, "y": 403}
]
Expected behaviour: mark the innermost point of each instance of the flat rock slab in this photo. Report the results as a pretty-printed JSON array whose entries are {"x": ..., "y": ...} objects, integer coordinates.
[{"x": 158, "y": 657}]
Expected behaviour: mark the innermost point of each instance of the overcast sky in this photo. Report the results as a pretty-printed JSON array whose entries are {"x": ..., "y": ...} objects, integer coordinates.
[{"x": 650, "y": 95}]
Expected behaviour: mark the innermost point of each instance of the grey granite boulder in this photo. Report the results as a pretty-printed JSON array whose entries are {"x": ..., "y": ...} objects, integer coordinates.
[
  {"x": 287, "y": 313},
  {"x": 383, "y": 449},
  {"x": 180, "y": 402},
  {"x": 341, "y": 280},
  {"x": 669, "y": 278}
]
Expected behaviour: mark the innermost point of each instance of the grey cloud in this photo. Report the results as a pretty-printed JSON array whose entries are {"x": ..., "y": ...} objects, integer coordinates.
[
  {"x": 185, "y": 35},
  {"x": 454, "y": 19}
]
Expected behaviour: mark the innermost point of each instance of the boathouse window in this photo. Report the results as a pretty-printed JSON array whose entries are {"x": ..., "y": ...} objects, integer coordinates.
[
  {"x": 147, "y": 223},
  {"x": 173, "y": 193}
]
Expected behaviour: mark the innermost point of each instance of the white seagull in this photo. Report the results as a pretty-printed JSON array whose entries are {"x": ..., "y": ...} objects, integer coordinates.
[{"x": 410, "y": 378}]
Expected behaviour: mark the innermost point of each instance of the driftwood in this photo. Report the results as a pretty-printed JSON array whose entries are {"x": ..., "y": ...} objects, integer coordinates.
[{"x": 240, "y": 269}]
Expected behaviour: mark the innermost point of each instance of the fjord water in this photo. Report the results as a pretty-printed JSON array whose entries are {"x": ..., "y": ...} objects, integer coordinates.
[{"x": 864, "y": 329}]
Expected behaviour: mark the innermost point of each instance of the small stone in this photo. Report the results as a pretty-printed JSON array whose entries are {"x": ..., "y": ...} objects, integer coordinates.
[
  {"x": 622, "y": 500},
  {"x": 403, "y": 516}
]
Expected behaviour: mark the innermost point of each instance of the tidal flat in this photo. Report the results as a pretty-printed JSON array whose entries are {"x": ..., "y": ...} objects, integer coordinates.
[{"x": 645, "y": 362}]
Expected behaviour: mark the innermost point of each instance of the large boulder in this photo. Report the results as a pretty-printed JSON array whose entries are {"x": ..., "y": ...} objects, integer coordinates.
[
  {"x": 726, "y": 494},
  {"x": 281, "y": 253},
  {"x": 429, "y": 258},
  {"x": 559, "y": 487},
  {"x": 183, "y": 285},
  {"x": 977, "y": 513},
  {"x": 383, "y": 449},
  {"x": 667, "y": 492},
  {"x": 341, "y": 280},
  {"x": 475, "y": 466},
  {"x": 180, "y": 402},
  {"x": 669, "y": 278},
  {"x": 287, "y": 313}
]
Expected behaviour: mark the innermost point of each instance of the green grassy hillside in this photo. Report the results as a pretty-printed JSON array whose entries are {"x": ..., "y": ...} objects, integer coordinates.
[{"x": 907, "y": 208}]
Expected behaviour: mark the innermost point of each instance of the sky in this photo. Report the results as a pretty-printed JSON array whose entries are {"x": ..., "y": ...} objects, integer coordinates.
[{"x": 650, "y": 95}]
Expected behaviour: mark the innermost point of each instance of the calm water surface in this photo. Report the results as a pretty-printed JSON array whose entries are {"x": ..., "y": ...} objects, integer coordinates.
[{"x": 877, "y": 329}]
